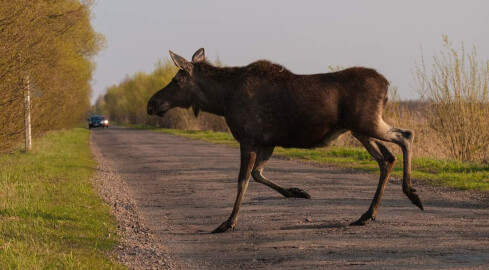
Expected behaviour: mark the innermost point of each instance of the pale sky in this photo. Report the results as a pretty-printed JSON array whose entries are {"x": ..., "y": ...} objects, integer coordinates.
[{"x": 304, "y": 36}]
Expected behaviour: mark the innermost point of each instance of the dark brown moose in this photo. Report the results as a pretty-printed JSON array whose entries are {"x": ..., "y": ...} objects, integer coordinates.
[{"x": 266, "y": 105}]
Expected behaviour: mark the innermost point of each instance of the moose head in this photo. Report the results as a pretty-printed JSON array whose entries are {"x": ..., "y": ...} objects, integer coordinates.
[{"x": 182, "y": 91}]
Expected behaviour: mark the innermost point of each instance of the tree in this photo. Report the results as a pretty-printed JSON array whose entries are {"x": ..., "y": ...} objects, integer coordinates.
[{"x": 53, "y": 43}]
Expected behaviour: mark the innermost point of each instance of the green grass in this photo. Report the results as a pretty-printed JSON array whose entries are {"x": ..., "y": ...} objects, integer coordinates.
[
  {"x": 470, "y": 176},
  {"x": 50, "y": 215}
]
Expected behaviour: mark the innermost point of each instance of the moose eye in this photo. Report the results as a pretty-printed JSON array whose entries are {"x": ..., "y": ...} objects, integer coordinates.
[{"x": 176, "y": 80}]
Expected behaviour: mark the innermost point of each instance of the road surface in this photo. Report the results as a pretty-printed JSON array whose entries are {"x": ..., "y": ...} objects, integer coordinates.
[{"x": 186, "y": 188}]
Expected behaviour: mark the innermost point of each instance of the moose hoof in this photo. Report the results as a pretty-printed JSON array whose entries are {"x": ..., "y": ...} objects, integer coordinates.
[
  {"x": 226, "y": 225},
  {"x": 297, "y": 193},
  {"x": 415, "y": 198},
  {"x": 363, "y": 220}
]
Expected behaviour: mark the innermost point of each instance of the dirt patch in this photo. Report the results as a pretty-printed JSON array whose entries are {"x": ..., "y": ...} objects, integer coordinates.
[{"x": 138, "y": 248}]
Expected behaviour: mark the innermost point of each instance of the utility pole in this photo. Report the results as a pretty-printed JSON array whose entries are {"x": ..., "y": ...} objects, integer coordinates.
[{"x": 27, "y": 107}]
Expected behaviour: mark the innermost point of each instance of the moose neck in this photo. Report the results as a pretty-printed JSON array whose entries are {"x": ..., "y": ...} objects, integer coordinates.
[{"x": 214, "y": 83}]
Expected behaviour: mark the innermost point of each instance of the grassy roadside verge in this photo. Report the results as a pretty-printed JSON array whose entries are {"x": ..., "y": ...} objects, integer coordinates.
[
  {"x": 470, "y": 176},
  {"x": 50, "y": 216}
]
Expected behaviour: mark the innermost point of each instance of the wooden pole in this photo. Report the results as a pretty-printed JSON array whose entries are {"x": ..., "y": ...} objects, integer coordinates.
[{"x": 27, "y": 104}]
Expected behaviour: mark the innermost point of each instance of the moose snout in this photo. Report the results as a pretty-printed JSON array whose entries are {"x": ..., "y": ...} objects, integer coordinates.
[
  {"x": 157, "y": 108},
  {"x": 151, "y": 108}
]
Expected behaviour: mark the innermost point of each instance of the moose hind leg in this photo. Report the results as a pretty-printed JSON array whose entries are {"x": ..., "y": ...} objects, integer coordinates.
[
  {"x": 403, "y": 138},
  {"x": 248, "y": 155},
  {"x": 386, "y": 160},
  {"x": 405, "y": 141},
  {"x": 263, "y": 155}
]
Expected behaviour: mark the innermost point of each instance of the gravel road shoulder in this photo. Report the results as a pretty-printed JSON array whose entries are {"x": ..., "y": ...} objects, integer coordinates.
[{"x": 138, "y": 248}]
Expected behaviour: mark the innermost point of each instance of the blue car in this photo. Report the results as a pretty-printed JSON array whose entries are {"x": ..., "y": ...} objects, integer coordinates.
[{"x": 97, "y": 121}]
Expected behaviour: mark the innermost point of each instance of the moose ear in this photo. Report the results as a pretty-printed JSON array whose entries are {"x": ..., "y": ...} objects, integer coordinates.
[
  {"x": 199, "y": 55},
  {"x": 181, "y": 63}
]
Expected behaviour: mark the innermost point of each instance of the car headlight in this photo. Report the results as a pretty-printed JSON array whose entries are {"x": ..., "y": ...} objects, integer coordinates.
[{"x": 106, "y": 122}]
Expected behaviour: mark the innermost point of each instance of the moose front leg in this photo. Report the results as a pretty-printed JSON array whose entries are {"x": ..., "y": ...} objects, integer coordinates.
[
  {"x": 248, "y": 156},
  {"x": 262, "y": 156}
]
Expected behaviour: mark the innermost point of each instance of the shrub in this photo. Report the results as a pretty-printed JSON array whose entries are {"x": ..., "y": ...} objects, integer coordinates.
[{"x": 456, "y": 92}]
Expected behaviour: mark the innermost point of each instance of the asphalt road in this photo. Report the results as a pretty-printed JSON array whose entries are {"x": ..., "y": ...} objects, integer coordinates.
[{"x": 186, "y": 188}]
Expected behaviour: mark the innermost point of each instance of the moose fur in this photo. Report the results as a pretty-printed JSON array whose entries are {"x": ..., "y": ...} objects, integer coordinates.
[{"x": 265, "y": 105}]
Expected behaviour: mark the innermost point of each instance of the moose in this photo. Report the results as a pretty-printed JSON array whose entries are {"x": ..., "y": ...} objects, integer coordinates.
[{"x": 265, "y": 105}]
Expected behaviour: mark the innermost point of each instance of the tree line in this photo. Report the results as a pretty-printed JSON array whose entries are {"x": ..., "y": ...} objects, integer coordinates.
[{"x": 50, "y": 45}]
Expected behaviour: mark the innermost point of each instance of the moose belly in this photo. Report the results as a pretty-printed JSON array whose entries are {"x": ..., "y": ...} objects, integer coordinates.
[
  {"x": 303, "y": 138},
  {"x": 286, "y": 126}
]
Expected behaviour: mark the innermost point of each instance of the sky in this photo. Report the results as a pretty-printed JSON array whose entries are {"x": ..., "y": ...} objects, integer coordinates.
[{"x": 305, "y": 36}]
